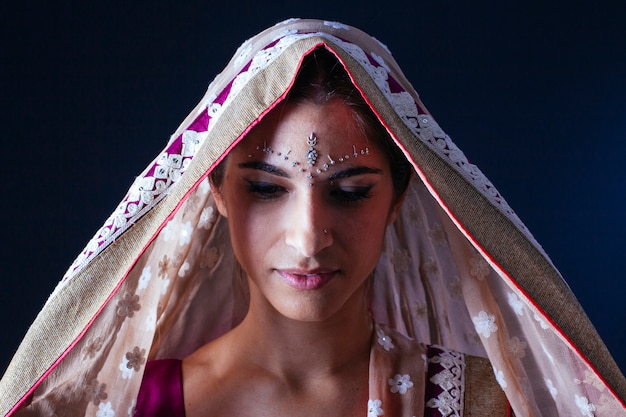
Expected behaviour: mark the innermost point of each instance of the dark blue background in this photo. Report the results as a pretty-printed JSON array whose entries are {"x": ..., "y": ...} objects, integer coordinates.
[{"x": 534, "y": 93}]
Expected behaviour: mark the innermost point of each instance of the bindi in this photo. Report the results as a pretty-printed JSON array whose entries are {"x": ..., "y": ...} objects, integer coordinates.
[{"x": 311, "y": 156}]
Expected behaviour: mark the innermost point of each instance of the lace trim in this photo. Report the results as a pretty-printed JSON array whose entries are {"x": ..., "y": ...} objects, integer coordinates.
[{"x": 445, "y": 379}]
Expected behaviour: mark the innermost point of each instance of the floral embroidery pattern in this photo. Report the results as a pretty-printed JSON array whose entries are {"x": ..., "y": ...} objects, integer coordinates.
[
  {"x": 374, "y": 408},
  {"x": 93, "y": 346},
  {"x": 192, "y": 203},
  {"x": 420, "y": 309},
  {"x": 479, "y": 268},
  {"x": 168, "y": 231},
  {"x": 591, "y": 379},
  {"x": 168, "y": 166},
  {"x": 446, "y": 368},
  {"x": 541, "y": 322},
  {"x": 126, "y": 372},
  {"x": 515, "y": 348},
  {"x": 96, "y": 392},
  {"x": 144, "y": 279},
  {"x": 401, "y": 260},
  {"x": 164, "y": 264},
  {"x": 186, "y": 231},
  {"x": 210, "y": 257},
  {"x": 405, "y": 106},
  {"x": 516, "y": 304},
  {"x": 132, "y": 361},
  {"x": 191, "y": 141},
  {"x": 215, "y": 109},
  {"x": 127, "y": 306},
  {"x": 413, "y": 213},
  {"x": 551, "y": 387},
  {"x": 380, "y": 61},
  {"x": 384, "y": 340},
  {"x": 105, "y": 410},
  {"x": 586, "y": 408},
  {"x": 430, "y": 267},
  {"x": 136, "y": 358},
  {"x": 444, "y": 379},
  {"x": 438, "y": 234},
  {"x": 485, "y": 324},
  {"x": 205, "y": 186},
  {"x": 207, "y": 218},
  {"x": 400, "y": 383},
  {"x": 446, "y": 404},
  {"x": 500, "y": 378}
]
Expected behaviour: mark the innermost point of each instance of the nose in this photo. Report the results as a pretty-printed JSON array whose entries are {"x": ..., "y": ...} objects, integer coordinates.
[{"x": 308, "y": 228}]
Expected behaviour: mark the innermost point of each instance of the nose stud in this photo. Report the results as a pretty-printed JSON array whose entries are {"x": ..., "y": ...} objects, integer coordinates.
[{"x": 325, "y": 231}]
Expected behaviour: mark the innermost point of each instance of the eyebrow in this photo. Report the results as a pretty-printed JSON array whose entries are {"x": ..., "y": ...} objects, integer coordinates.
[
  {"x": 265, "y": 167},
  {"x": 354, "y": 171},
  {"x": 274, "y": 170}
]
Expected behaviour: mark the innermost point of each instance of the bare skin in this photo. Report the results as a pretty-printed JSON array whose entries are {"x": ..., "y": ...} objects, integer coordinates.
[
  {"x": 308, "y": 244},
  {"x": 310, "y": 372}
]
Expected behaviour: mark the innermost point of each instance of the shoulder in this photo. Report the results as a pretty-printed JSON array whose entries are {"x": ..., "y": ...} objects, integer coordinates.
[{"x": 161, "y": 392}]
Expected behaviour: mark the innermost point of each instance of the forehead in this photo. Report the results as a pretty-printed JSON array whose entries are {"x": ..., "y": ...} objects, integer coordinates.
[
  {"x": 309, "y": 136},
  {"x": 334, "y": 121}
]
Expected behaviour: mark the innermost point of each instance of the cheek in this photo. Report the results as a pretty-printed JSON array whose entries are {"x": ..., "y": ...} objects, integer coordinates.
[
  {"x": 252, "y": 230},
  {"x": 365, "y": 230}
]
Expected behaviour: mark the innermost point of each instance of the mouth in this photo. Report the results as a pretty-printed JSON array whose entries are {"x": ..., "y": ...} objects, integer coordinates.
[{"x": 307, "y": 281}]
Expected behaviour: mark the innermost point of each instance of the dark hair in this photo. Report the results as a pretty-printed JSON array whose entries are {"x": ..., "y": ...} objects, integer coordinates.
[{"x": 322, "y": 79}]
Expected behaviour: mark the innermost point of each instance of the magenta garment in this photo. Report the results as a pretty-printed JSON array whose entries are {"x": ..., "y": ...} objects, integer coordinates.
[{"x": 161, "y": 392}]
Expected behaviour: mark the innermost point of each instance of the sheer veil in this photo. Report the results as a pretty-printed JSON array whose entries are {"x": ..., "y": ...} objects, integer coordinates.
[{"x": 459, "y": 269}]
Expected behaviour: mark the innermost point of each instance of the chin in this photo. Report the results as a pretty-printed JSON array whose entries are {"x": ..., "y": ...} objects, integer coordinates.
[
  {"x": 314, "y": 309},
  {"x": 305, "y": 312}
]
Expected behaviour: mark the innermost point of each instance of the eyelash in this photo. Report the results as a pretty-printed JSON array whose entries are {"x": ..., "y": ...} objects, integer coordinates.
[
  {"x": 268, "y": 191},
  {"x": 353, "y": 195},
  {"x": 265, "y": 191}
]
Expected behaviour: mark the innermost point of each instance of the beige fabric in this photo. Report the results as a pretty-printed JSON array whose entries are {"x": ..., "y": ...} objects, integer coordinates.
[
  {"x": 480, "y": 383},
  {"x": 458, "y": 269}
]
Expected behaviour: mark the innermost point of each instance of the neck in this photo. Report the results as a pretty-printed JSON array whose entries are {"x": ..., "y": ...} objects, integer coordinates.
[{"x": 291, "y": 348}]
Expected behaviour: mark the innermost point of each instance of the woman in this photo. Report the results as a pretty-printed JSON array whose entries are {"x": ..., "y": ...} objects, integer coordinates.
[{"x": 272, "y": 304}]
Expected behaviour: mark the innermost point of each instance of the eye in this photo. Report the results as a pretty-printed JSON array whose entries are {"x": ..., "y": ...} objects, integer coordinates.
[
  {"x": 265, "y": 190},
  {"x": 351, "y": 195}
]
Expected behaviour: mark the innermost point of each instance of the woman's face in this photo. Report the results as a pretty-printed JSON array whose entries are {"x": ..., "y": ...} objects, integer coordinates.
[{"x": 307, "y": 198}]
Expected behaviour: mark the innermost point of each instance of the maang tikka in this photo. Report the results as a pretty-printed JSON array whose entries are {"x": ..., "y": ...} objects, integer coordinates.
[{"x": 311, "y": 155}]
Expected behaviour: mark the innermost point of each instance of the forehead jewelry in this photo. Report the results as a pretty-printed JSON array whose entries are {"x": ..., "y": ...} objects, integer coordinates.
[
  {"x": 311, "y": 157},
  {"x": 311, "y": 154}
]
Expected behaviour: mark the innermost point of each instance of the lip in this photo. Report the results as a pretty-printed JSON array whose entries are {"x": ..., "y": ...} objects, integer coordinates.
[{"x": 307, "y": 280}]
